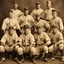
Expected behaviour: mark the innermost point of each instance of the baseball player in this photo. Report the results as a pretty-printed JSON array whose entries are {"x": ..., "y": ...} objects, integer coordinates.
[
  {"x": 48, "y": 12},
  {"x": 16, "y": 12},
  {"x": 26, "y": 19},
  {"x": 10, "y": 21},
  {"x": 58, "y": 43},
  {"x": 57, "y": 21},
  {"x": 28, "y": 42},
  {"x": 9, "y": 41},
  {"x": 42, "y": 42},
  {"x": 38, "y": 10},
  {"x": 41, "y": 22}
]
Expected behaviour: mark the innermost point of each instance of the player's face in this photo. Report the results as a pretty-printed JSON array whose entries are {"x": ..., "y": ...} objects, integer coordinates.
[
  {"x": 48, "y": 5},
  {"x": 15, "y": 6},
  {"x": 54, "y": 30},
  {"x": 11, "y": 14},
  {"x": 37, "y": 18},
  {"x": 54, "y": 14},
  {"x": 26, "y": 12},
  {"x": 38, "y": 6},
  {"x": 39, "y": 30},
  {"x": 27, "y": 31},
  {"x": 11, "y": 32}
]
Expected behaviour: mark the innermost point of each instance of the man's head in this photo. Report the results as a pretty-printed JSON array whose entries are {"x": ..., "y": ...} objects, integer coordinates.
[
  {"x": 39, "y": 29},
  {"x": 15, "y": 5},
  {"x": 10, "y": 13},
  {"x": 27, "y": 29},
  {"x": 26, "y": 11},
  {"x": 37, "y": 17},
  {"x": 54, "y": 13},
  {"x": 38, "y": 5},
  {"x": 54, "y": 28},
  {"x": 48, "y": 3}
]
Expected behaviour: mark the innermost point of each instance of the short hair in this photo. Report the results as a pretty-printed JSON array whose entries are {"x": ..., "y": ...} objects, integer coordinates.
[
  {"x": 26, "y": 8},
  {"x": 15, "y": 2},
  {"x": 26, "y": 27},
  {"x": 54, "y": 10},
  {"x": 48, "y": 1},
  {"x": 37, "y": 3},
  {"x": 54, "y": 26},
  {"x": 10, "y": 10},
  {"x": 37, "y": 15}
]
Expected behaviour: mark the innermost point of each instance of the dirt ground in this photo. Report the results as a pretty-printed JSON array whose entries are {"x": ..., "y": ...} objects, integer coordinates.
[{"x": 8, "y": 61}]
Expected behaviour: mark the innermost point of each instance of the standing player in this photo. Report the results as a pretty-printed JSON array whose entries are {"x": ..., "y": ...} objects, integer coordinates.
[
  {"x": 16, "y": 12},
  {"x": 48, "y": 12},
  {"x": 38, "y": 10},
  {"x": 40, "y": 22},
  {"x": 10, "y": 21},
  {"x": 26, "y": 19},
  {"x": 57, "y": 21}
]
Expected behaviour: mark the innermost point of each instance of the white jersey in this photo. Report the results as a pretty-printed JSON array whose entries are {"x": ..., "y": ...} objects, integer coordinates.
[
  {"x": 26, "y": 20},
  {"x": 58, "y": 22},
  {"x": 10, "y": 22},
  {"x": 48, "y": 14},
  {"x": 17, "y": 13},
  {"x": 37, "y": 11}
]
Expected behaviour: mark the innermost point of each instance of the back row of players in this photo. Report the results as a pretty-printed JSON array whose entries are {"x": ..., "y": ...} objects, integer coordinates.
[{"x": 41, "y": 33}]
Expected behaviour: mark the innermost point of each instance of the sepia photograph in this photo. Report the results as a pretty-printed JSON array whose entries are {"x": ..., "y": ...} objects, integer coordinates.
[{"x": 31, "y": 31}]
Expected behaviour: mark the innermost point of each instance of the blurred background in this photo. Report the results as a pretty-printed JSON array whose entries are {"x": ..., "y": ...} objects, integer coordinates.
[{"x": 5, "y": 5}]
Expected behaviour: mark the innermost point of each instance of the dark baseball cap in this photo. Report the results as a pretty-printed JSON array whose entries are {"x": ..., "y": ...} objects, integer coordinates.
[
  {"x": 26, "y": 8},
  {"x": 15, "y": 2},
  {"x": 37, "y": 3}
]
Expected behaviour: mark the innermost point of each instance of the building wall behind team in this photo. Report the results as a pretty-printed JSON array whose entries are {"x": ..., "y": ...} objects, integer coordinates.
[{"x": 5, "y": 5}]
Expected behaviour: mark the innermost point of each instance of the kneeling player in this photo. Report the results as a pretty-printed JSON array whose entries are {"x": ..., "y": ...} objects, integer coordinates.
[
  {"x": 58, "y": 42},
  {"x": 9, "y": 41},
  {"x": 28, "y": 42},
  {"x": 42, "y": 42}
]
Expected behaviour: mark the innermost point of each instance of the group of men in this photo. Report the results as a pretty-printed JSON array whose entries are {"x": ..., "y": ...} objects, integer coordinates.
[{"x": 38, "y": 34}]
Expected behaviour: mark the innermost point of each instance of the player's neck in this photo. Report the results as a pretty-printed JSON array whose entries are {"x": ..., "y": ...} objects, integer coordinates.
[
  {"x": 10, "y": 17},
  {"x": 49, "y": 7},
  {"x": 15, "y": 8},
  {"x": 26, "y": 14},
  {"x": 54, "y": 17},
  {"x": 37, "y": 8}
]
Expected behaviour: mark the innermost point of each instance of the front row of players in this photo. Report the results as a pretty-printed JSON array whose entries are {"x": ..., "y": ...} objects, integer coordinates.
[{"x": 37, "y": 44}]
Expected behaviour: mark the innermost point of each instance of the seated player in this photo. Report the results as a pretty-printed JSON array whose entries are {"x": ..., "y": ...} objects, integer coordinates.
[
  {"x": 42, "y": 42},
  {"x": 28, "y": 42},
  {"x": 9, "y": 41},
  {"x": 58, "y": 43}
]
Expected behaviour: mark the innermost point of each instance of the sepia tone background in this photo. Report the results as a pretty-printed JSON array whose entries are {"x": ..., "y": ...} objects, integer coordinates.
[{"x": 5, "y": 5}]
